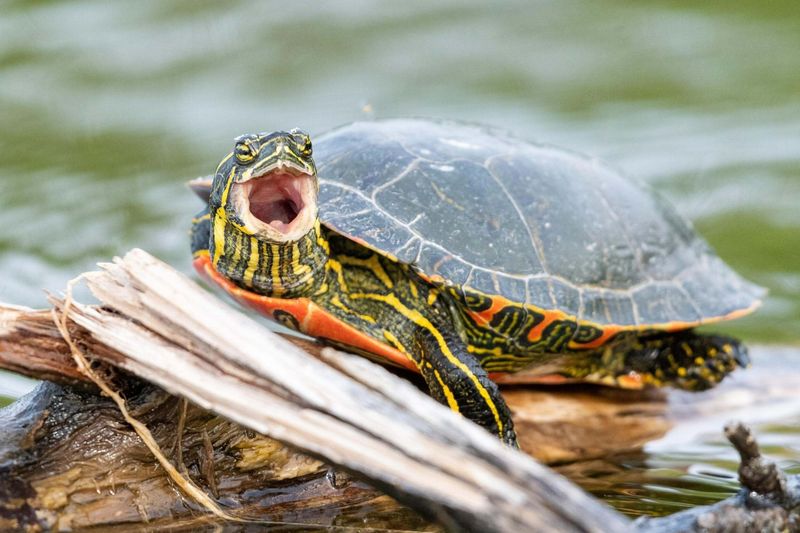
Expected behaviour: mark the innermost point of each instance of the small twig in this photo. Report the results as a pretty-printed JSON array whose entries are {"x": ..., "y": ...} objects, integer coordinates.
[
  {"x": 207, "y": 464},
  {"x": 757, "y": 474},
  {"x": 179, "y": 437},
  {"x": 144, "y": 433}
]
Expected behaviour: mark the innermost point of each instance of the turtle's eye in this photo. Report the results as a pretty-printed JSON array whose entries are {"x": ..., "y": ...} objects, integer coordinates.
[
  {"x": 303, "y": 141},
  {"x": 246, "y": 150}
]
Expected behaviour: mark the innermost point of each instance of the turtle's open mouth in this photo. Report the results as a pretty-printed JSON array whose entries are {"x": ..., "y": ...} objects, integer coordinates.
[{"x": 278, "y": 206}]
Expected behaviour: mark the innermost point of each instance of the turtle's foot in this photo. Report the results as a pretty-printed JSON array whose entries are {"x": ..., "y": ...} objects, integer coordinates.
[{"x": 686, "y": 360}]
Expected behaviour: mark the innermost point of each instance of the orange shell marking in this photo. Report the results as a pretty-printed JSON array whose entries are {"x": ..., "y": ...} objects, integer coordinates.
[{"x": 312, "y": 319}]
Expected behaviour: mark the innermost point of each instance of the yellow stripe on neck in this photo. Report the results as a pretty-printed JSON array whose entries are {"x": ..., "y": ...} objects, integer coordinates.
[{"x": 252, "y": 262}]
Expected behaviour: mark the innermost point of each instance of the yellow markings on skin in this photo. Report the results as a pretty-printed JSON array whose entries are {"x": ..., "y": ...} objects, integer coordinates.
[
  {"x": 219, "y": 221},
  {"x": 227, "y": 191},
  {"x": 237, "y": 250},
  {"x": 219, "y": 236},
  {"x": 338, "y": 303},
  {"x": 420, "y": 320},
  {"x": 373, "y": 264},
  {"x": 252, "y": 263},
  {"x": 485, "y": 351},
  {"x": 321, "y": 241},
  {"x": 394, "y": 341},
  {"x": 682, "y": 372},
  {"x": 300, "y": 268},
  {"x": 414, "y": 291},
  {"x": 220, "y": 214},
  {"x": 201, "y": 253},
  {"x": 207, "y": 216},
  {"x": 432, "y": 297},
  {"x": 323, "y": 288},
  {"x": 448, "y": 394},
  {"x": 699, "y": 361},
  {"x": 687, "y": 349},
  {"x": 275, "y": 274},
  {"x": 672, "y": 362},
  {"x": 336, "y": 266}
]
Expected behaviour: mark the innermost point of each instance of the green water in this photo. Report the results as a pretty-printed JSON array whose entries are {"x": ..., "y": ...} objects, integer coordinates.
[{"x": 107, "y": 107}]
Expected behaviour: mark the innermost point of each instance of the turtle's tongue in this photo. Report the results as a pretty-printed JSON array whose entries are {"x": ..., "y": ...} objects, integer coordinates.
[{"x": 276, "y": 200}]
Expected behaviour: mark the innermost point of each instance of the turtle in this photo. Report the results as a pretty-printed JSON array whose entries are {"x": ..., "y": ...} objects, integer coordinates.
[{"x": 467, "y": 255}]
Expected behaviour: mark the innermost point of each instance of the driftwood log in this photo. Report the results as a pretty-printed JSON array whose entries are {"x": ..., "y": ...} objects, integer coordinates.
[{"x": 70, "y": 460}]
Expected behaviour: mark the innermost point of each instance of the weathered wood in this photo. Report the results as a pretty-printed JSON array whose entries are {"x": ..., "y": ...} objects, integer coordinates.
[
  {"x": 369, "y": 422},
  {"x": 554, "y": 424},
  {"x": 31, "y": 345},
  {"x": 341, "y": 408},
  {"x": 68, "y": 460}
]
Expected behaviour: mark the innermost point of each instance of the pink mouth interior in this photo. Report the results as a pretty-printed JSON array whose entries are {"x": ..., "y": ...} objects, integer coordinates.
[{"x": 277, "y": 199}]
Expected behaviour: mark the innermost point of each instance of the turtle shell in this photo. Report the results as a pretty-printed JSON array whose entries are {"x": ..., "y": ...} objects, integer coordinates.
[{"x": 481, "y": 210}]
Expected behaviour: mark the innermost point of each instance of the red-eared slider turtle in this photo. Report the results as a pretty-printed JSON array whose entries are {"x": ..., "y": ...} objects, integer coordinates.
[{"x": 466, "y": 254}]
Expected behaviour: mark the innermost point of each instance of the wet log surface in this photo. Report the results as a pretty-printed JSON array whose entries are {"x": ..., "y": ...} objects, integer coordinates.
[{"x": 69, "y": 460}]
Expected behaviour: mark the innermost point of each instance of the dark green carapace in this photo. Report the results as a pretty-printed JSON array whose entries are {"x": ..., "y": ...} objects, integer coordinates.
[{"x": 465, "y": 253}]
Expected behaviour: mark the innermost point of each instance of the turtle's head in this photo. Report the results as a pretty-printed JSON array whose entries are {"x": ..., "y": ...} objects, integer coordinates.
[{"x": 267, "y": 187}]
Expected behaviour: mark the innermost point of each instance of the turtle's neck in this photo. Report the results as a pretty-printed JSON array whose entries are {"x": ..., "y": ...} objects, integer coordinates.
[{"x": 280, "y": 270}]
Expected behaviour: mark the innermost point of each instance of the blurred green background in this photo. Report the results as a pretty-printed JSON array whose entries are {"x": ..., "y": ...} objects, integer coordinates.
[{"x": 107, "y": 107}]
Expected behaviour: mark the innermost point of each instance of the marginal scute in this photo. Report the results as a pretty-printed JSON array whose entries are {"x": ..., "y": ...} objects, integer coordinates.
[
  {"x": 513, "y": 289},
  {"x": 533, "y": 224},
  {"x": 542, "y": 295},
  {"x": 452, "y": 269},
  {"x": 567, "y": 297},
  {"x": 484, "y": 278},
  {"x": 619, "y": 307},
  {"x": 677, "y": 301},
  {"x": 409, "y": 252}
]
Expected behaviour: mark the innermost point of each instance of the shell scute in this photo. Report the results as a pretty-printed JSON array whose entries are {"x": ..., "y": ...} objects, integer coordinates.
[{"x": 537, "y": 225}]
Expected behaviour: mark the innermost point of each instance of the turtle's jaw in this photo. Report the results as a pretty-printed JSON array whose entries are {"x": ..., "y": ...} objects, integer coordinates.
[{"x": 277, "y": 206}]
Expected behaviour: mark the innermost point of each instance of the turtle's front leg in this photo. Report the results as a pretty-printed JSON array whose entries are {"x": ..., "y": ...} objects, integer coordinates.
[
  {"x": 425, "y": 332},
  {"x": 455, "y": 378}
]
